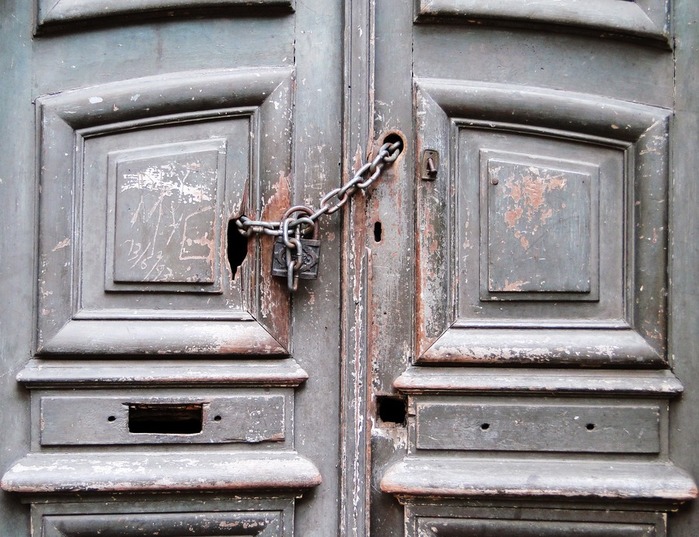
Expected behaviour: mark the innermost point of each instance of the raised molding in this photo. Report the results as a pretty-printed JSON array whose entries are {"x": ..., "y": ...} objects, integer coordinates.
[
  {"x": 643, "y": 19},
  {"x": 530, "y": 345},
  {"x": 59, "y": 374},
  {"x": 657, "y": 483},
  {"x": 60, "y": 12},
  {"x": 78, "y": 314},
  {"x": 49, "y": 473},
  {"x": 148, "y": 515},
  {"x": 486, "y": 380},
  {"x": 626, "y": 326}
]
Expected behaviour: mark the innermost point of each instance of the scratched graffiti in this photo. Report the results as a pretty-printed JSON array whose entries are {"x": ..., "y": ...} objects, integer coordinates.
[
  {"x": 538, "y": 229},
  {"x": 165, "y": 222}
]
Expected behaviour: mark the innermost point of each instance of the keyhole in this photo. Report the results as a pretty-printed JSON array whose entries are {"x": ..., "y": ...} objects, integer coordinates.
[
  {"x": 237, "y": 248},
  {"x": 377, "y": 231}
]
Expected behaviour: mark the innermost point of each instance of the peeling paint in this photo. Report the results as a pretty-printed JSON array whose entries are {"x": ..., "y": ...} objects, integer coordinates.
[{"x": 62, "y": 244}]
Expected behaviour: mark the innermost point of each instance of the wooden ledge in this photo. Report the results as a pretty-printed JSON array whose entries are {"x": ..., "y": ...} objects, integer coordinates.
[
  {"x": 161, "y": 373},
  {"x": 41, "y": 473},
  {"x": 637, "y": 482},
  {"x": 482, "y": 380}
]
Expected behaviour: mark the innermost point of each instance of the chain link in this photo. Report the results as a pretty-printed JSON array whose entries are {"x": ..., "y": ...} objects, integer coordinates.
[
  {"x": 386, "y": 155},
  {"x": 292, "y": 227}
]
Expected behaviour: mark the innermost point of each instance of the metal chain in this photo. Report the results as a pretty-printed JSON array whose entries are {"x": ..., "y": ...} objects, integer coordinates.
[
  {"x": 387, "y": 154},
  {"x": 291, "y": 228}
]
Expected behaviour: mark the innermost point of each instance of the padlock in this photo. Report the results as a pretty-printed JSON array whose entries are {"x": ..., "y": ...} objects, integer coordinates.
[{"x": 310, "y": 248}]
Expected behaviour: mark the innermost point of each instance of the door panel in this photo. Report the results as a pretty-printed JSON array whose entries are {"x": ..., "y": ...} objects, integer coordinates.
[
  {"x": 497, "y": 248},
  {"x": 165, "y": 207},
  {"x": 540, "y": 241},
  {"x": 153, "y": 126}
]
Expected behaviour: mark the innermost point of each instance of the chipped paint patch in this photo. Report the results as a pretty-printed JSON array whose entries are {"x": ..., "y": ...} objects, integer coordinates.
[
  {"x": 539, "y": 227},
  {"x": 64, "y": 243}
]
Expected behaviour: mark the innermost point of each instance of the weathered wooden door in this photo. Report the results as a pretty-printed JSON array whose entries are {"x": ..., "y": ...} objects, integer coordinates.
[{"x": 502, "y": 337}]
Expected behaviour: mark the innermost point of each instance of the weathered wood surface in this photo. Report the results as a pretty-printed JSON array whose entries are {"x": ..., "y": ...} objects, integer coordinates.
[
  {"x": 244, "y": 103},
  {"x": 293, "y": 96},
  {"x": 528, "y": 520},
  {"x": 56, "y": 373},
  {"x": 113, "y": 305},
  {"x": 481, "y": 273},
  {"x": 436, "y": 527},
  {"x": 658, "y": 482},
  {"x": 52, "y": 12},
  {"x": 647, "y": 21},
  {"x": 99, "y": 420},
  {"x": 252, "y": 523},
  {"x": 623, "y": 382},
  {"x": 160, "y": 472},
  {"x": 684, "y": 257},
  {"x": 550, "y": 346},
  {"x": 550, "y": 426}
]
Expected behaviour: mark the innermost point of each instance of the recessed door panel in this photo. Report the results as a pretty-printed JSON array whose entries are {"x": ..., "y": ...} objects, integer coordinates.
[
  {"x": 543, "y": 210},
  {"x": 154, "y": 189},
  {"x": 535, "y": 234}
]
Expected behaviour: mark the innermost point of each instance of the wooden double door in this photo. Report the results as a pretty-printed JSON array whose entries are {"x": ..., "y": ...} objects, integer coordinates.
[{"x": 502, "y": 336}]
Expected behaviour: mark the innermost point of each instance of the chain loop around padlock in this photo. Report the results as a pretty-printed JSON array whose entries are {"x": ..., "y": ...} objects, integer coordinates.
[
  {"x": 294, "y": 247},
  {"x": 332, "y": 202},
  {"x": 293, "y": 265}
]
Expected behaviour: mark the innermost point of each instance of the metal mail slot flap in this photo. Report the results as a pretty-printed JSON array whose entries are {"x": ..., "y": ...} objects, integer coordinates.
[
  {"x": 560, "y": 426},
  {"x": 104, "y": 420}
]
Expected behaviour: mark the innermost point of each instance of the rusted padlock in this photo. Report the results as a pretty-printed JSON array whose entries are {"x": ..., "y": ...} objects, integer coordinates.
[{"x": 309, "y": 246}]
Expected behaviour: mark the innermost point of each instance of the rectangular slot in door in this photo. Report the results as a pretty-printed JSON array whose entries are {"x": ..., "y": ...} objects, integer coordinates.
[
  {"x": 166, "y": 418},
  {"x": 250, "y": 418}
]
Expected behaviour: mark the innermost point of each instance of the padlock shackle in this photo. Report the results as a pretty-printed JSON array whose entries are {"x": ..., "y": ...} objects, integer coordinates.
[{"x": 287, "y": 217}]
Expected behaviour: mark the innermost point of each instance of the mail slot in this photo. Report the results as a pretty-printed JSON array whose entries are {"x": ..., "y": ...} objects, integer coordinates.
[
  {"x": 166, "y": 418},
  {"x": 250, "y": 417}
]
